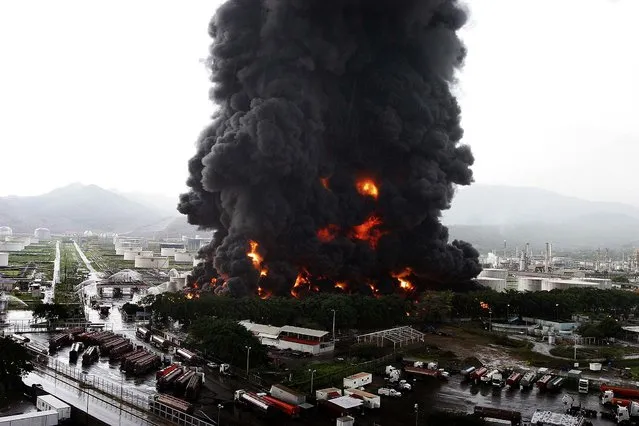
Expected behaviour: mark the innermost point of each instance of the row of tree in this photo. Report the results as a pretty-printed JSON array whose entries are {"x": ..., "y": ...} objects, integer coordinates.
[{"x": 546, "y": 304}]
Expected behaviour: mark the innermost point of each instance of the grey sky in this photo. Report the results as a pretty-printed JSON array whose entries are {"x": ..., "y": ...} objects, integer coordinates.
[{"x": 113, "y": 93}]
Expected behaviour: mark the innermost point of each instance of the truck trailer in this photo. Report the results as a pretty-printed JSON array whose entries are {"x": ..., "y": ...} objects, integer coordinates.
[
  {"x": 252, "y": 400},
  {"x": 50, "y": 402},
  {"x": 34, "y": 418}
]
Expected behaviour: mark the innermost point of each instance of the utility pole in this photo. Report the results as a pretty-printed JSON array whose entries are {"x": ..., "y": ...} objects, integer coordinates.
[
  {"x": 312, "y": 374},
  {"x": 333, "y": 327},
  {"x": 248, "y": 354},
  {"x": 416, "y": 413},
  {"x": 490, "y": 320}
]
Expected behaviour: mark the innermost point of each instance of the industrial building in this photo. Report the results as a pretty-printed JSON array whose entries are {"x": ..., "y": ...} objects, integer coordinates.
[
  {"x": 42, "y": 234},
  {"x": 525, "y": 283},
  {"x": 288, "y": 337},
  {"x": 182, "y": 256}
]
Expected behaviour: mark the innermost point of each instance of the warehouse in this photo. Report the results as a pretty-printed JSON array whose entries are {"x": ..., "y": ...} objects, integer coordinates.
[{"x": 288, "y": 337}]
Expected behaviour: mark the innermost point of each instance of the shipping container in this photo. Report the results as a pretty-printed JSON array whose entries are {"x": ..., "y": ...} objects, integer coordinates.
[
  {"x": 285, "y": 394},
  {"x": 50, "y": 402},
  {"x": 358, "y": 380},
  {"x": 35, "y": 418}
]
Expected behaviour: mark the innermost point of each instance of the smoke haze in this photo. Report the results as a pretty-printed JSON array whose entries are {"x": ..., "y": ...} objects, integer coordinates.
[{"x": 334, "y": 150}]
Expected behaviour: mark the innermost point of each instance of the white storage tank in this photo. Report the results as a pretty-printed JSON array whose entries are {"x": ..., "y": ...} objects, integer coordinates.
[
  {"x": 529, "y": 283},
  {"x": 5, "y": 231},
  {"x": 4, "y": 259},
  {"x": 151, "y": 262},
  {"x": 494, "y": 273},
  {"x": 167, "y": 251},
  {"x": 497, "y": 284},
  {"x": 131, "y": 254},
  {"x": 183, "y": 257},
  {"x": 42, "y": 234},
  {"x": 127, "y": 247},
  {"x": 11, "y": 246}
]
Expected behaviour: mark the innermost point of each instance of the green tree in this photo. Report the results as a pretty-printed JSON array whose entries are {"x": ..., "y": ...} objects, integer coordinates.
[
  {"x": 15, "y": 363},
  {"x": 227, "y": 340},
  {"x": 620, "y": 279},
  {"x": 51, "y": 312}
]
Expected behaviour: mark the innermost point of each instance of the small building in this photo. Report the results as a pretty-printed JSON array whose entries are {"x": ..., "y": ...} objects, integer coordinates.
[
  {"x": 4, "y": 260},
  {"x": 345, "y": 421},
  {"x": 42, "y": 234},
  {"x": 358, "y": 380},
  {"x": 370, "y": 400},
  {"x": 328, "y": 393},
  {"x": 130, "y": 254},
  {"x": 289, "y": 337}
]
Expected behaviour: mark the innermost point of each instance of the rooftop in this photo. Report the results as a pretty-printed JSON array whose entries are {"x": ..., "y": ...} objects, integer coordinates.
[
  {"x": 347, "y": 402},
  {"x": 357, "y": 376},
  {"x": 304, "y": 331},
  {"x": 548, "y": 418}
]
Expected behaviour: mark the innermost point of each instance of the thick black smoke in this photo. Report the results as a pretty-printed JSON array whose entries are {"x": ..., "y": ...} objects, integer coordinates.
[{"x": 314, "y": 96}]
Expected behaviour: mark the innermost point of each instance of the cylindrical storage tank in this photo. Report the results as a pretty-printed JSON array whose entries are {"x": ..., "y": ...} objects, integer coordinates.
[
  {"x": 4, "y": 259},
  {"x": 183, "y": 257},
  {"x": 167, "y": 251},
  {"x": 496, "y": 284},
  {"x": 11, "y": 246},
  {"x": 151, "y": 262},
  {"x": 42, "y": 234},
  {"x": 494, "y": 273},
  {"x": 529, "y": 283},
  {"x": 5, "y": 231}
]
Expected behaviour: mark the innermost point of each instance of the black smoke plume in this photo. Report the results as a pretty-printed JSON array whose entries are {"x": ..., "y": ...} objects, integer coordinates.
[{"x": 314, "y": 97}]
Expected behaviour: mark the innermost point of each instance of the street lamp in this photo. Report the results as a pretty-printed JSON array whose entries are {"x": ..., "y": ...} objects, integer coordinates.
[
  {"x": 312, "y": 374},
  {"x": 219, "y": 409},
  {"x": 507, "y": 312},
  {"x": 490, "y": 320},
  {"x": 416, "y": 413},
  {"x": 248, "y": 353},
  {"x": 557, "y": 310},
  {"x": 333, "y": 326}
]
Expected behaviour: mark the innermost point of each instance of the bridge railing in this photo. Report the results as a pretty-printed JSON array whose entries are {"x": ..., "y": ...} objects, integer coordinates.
[{"x": 117, "y": 392}]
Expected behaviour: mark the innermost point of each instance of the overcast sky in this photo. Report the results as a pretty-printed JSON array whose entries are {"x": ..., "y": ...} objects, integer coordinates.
[{"x": 114, "y": 93}]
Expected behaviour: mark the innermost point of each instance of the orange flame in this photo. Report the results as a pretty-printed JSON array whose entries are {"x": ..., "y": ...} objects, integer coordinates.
[
  {"x": 254, "y": 255},
  {"x": 324, "y": 181},
  {"x": 341, "y": 285},
  {"x": 302, "y": 280},
  {"x": 263, "y": 272},
  {"x": 367, "y": 231},
  {"x": 189, "y": 296},
  {"x": 263, "y": 294},
  {"x": 484, "y": 305},
  {"x": 367, "y": 187},
  {"x": 373, "y": 288},
  {"x": 328, "y": 233},
  {"x": 402, "y": 276}
]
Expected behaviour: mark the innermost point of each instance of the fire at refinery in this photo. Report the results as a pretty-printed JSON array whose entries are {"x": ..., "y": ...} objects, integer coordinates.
[{"x": 329, "y": 171}]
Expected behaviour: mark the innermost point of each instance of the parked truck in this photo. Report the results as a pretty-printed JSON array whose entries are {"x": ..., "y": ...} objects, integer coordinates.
[
  {"x": 583, "y": 386},
  {"x": 187, "y": 356},
  {"x": 91, "y": 355},
  {"x": 159, "y": 342},
  {"x": 542, "y": 384},
  {"x": 513, "y": 380},
  {"x": 555, "y": 384},
  {"x": 528, "y": 381},
  {"x": 168, "y": 380},
  {"x": 282, "y": 406},
  {"x": 74, "y": 353},
  {"x": 609, "y": 398},
  {"x": 628, "y": 413},
  {"x": 143, "y": 334},
  {"x": 50, "y": 402},
  {"x": 498, "y": 380},
  {"x": 476, "y": 375},
  {"x": 192, "y": 390},
  {"x": 466, "y": 373},
  {"x": 496, "y": 413},
  {"x": 286, "y": 394},
  {"x": 389, "y": 392},
  {"x": 621, "y": 391},
  {"x": 169, "y": 401},
  {"x": 252, "y": 400}
]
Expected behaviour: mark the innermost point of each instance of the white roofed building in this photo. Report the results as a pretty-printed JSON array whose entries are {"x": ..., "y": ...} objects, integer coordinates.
[{"x": 289, "y": 337}]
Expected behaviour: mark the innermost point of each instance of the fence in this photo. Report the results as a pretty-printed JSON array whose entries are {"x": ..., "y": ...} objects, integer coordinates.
[{"x": 116, "y": 396}]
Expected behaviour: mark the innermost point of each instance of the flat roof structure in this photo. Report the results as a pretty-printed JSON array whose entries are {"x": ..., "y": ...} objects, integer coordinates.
[{"x": 347, "y": 402}]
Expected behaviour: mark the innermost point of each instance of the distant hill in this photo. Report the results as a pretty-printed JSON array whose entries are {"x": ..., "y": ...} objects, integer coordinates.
[
  {"x": 76, "y": 207},
  {"x": 488, "y": 215},
  {"x": 165, "y": 204}
]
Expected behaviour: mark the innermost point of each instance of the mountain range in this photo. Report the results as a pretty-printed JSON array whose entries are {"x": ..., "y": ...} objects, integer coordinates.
[
  {"x": 487, "y": 215},
  {"x": 481, "y": 214},
  {"x": 78, "y": 207}
]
